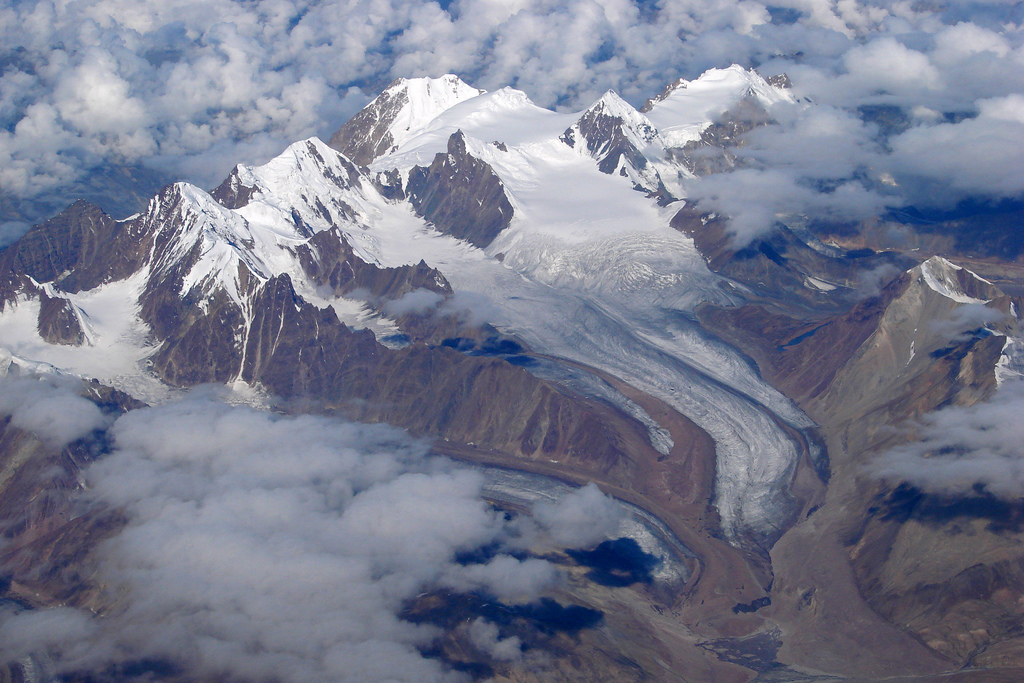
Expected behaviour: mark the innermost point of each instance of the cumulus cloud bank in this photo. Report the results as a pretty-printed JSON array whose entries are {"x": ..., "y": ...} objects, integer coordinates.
[
  {"x": 961, "y": 447},
  {"x": 50, "y": 407},
  {"x": 580, "y": 519},
  {"x": 183, "y": 90},
  {"x": 262, "y": 547}
]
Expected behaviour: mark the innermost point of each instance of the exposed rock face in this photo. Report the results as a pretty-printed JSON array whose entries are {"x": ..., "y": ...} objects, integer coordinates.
[
  {"x": 366, "y": 136},
  {"x": 784, "y": 267},
  {"x": 233, "y": 193},
  {"x": 79, "y": 249},
  {"x": 329, "y": 261},
  {"x": 45, "y": 542},
  {"x": 678, "y": 84},
  {"x": 461, "y": 195},
  {"x": 612, "y": 132},
  {"x": 713, "y": 152},
  {"x": 917, "y": 558},
  {"x": 59, "y": 322},
  {"x": 779, "y": 81},
  {"x": 298, "y": 351}
]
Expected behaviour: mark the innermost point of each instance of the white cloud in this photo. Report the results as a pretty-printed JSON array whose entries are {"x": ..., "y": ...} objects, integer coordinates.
[
  {"x": 580, "y": 519},
  {"x": 275, "y": 548},
  {"x": 485, "y": 636},
  {"x": 963, "y": 446},
  {"x": 963, "y": 320},
  {"x": 756, "y": 199},
  {"x": 983, "y": 155},
  {"x": 417, "y": 301},
  {"x": 49, "y": 407},
  {"x": 887, "y": 64}
]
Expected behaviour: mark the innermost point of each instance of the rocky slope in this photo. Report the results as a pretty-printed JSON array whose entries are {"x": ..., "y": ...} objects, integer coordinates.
[{"x": 938, "y": 566}]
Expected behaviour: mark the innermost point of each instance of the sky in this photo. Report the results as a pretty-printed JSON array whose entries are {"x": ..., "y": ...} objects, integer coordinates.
[{"x": 109, "y": 99}]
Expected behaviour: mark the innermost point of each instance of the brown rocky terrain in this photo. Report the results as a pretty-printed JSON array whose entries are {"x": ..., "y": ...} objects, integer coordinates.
[
  {"x": 914, "y": 582},
  {"x": 460, "y": 195},
  {"x": 45, "y": 553}
]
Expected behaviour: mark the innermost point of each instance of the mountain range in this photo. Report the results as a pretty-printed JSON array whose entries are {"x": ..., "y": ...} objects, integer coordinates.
[{"x": 533, "y": 291}]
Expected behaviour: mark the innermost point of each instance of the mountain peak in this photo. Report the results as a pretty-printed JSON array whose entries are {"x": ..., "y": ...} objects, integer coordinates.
[
  {"x": 613, "y": 105},
  {"x": 398, "y": 113},
  {"x": 616, "y": 135},
  {"x": 429, "y": 96},
  {"x": 955, "y": 282},
  {"x": 684, "y": 109}
]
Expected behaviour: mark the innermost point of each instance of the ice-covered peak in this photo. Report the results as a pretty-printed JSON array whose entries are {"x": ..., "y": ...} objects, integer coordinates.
[
  {"x": 425, "y": 98},
  {"x": 632, "y": 123},
  {"x": 683, "y": 111},
  {"x": 403, "y": 110},
  {"x": 308, "y": 167},
  {"x": 504, "y": 116},
  {"x": 613, "y": 105}
]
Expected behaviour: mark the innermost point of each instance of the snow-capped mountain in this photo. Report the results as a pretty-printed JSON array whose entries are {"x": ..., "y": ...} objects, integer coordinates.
[
  {"x": 531, "y": 289},
  {"x": 685, "y": 109},
  {"x": 396, "y": 114}
]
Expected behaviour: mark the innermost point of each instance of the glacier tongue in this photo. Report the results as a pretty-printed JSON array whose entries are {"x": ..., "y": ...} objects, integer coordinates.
[{"x": 589, "y": 270}]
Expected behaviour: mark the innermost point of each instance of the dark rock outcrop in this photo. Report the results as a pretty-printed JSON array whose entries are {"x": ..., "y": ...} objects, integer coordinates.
[
  {"x": 79, "y": 249},
  {"x": 365, "y": 136},
  {"x": 668, "y": 90},
  {"x": 461, "y": 195},
  {"x": 602, "y": 130},
  {"x": 59, "y": 322},
  {"x": 368, "y": 134},
  {"x": 233, "y": 193},
  {"x": 329, "y": 261}
]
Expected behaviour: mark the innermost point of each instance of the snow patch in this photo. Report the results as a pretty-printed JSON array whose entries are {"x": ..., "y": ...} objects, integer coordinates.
[{"x": 820, "y": 285}]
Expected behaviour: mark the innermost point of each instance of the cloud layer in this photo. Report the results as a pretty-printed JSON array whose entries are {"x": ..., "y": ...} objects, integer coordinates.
[
  {"x": 49, "y": 406},
  {"x": 184, "y": 90},
  {"x": 263, "y": 547},
  {"x": 961, "y": 447}
]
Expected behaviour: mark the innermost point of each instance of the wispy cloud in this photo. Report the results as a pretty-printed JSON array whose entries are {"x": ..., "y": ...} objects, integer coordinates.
[
  {"x": 959, "y": 448},
  {"x": 50, "y": 407}
]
